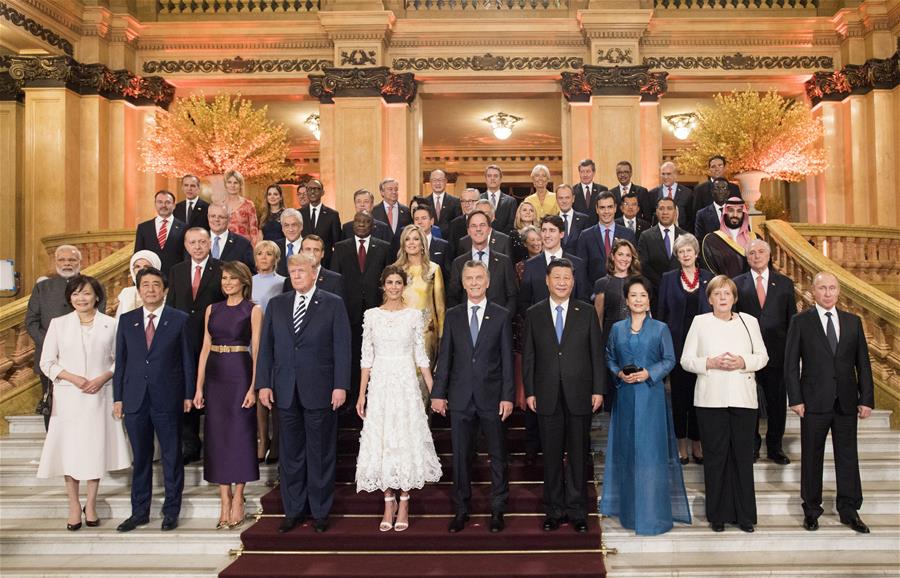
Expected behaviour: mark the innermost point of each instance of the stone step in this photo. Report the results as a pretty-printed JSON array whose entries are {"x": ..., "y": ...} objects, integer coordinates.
[
  {"x": 773, "y": 534},
  {"x": 114, "y": 566}
]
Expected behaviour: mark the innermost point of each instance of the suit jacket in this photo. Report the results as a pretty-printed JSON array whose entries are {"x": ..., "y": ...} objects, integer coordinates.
[
  {"x": 775, "y": 316},
  {"x": 533, "y": 287},
  {"x": 379, "y": 231},
  {"x": 845, "y": 375},
  {"x": 706, "y": 221},
  {"x": 672, "y": 305},
  {"x": 328, "y": 227},
  {"x": 703, "y": 193},
  {"x": 458, "y": 230},
  {"x": 63, "y": 349},
  {"x": 361, "y": 288},
  {"x": 481, "y": 373},
  {"x": 576, "y": 365},
  {"x": 404, "y": 218},
  {"x": 145, "y": 238},
  {"x": 505, "y": 213},
  {"x": 281, "y": 268},
  {"x": 180, "y": 296},
  {"x": 198, "y": 216},
  {"x": 311, "y": 363},
  {"x": 450, "y": 209},
  {"x": 579, "y": 223},
  {"x": 326, "y": 281},
  {"x": 684, "y": 200},
  {"x": 652, "y": 250},
  {"x": 589, "y": 209},
  {"x": 502, "y": 290},
  {"x": 439, "y": 253},
  {"x": 636, "y": 189},
  {"x": 592, "y": 250},
  {"x": 498, "y": 242},
  {"x": 238, "y": 248},
  {"x": 165, "y": 374},
  {"x": 640, "y": 225}
]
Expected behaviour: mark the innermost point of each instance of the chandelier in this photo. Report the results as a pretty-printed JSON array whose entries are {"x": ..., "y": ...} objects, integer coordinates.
[{"x": 502, "y": 124}]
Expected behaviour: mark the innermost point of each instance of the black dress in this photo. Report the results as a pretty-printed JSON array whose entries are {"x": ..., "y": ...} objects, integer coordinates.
[
  {"x": 614, "y": 310},
  {"x": 271, "y": 229}
]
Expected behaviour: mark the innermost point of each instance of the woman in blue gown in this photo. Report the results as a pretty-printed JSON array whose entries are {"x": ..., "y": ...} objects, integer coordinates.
[{"x": 642, "y": 481}]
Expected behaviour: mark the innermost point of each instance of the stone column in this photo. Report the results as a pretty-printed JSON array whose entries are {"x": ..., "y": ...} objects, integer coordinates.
[
  {"x": 884, "y": 134},
  {"x": 576, "y": 138},
  {"x": 828, "y": 200},
  {"x": 618, "y": 120},
  {"x": 12, "y": 115},
  {"x": 647, "y": 174},
  {"x": 94, "y": 161}
]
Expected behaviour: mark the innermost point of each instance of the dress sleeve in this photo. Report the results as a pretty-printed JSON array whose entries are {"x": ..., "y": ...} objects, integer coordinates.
[
  {"x": 368, "y": 347},
  {"x": 49, "y": 362},
  {"x": 440, "y": 307},
  {"x": 419, "y": 353}
]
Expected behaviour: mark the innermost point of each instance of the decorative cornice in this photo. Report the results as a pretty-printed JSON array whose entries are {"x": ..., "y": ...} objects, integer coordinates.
[
  {"x": 876, "y": 73},
  {"x": 34, "y": 28},
  {"x": 738, "y": 61},
  {"x": 816, "y": 39},
  {"x": 614, "y": 81},
  {"x": 374, "y": 81},
  {"x": 9, "y": 88},
  {"x": 615, "y": 56},
  {"x": 430, "y": 42},
  {"x": 68, "y": 18},
  {"x": 170, "y": 44},
  {"x": 236, "y": 65},
  {"x": 489, "y": 62}
]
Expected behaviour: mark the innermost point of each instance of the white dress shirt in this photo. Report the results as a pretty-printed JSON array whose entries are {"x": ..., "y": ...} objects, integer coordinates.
[
  {"x": 565, "y": 310},
  {"x": 202, "y": 266},
  {"x": 365, "y": 242},
  {"x": 308, "y": 295},
  {"x": 437, "y": 199},
  {"x": 630, "y": 224},
  {"x": 159, "y": 222},
  {"x": 549, "y": 256},
  {"x": 487, "y": 254},
  {"x": 223, "y": 238},
  {"x": 479, "y": 314},
  {"x": 834, "y": 320},
  {"x": 314, "y": 218},
  {"x": 295, "y": 244},
  {"x": 493, "y": 197},
  {"x": 567, "y": 219},
  {"x": 157, "y": 312}
]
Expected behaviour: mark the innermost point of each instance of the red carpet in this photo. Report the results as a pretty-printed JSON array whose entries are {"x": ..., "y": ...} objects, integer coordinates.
[{"x": 353, "y": 546}]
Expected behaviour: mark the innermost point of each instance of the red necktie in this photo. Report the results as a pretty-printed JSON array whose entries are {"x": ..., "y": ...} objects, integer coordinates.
[
  {"x": 195, "y": 284},
  {"x": 163, "y": 232},
  {"x": 390, "y": 216},
  {"x": 587, "y": 196},
  {"x": 607, "y": 244},
  {"x": 760, "y": 291},
  {"x": 669, "y": 192},
  {"x": 361, "y": 255},
  {"x": 151, "y": 330}
]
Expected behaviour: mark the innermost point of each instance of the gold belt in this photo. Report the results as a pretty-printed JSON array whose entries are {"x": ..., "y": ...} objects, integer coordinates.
[{"x": 229, "y": 348}]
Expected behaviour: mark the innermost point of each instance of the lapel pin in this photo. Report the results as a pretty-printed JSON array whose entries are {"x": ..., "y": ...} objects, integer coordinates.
[
  {"x": 487, "y": 316},
  {"x": 136, "y": 324}
]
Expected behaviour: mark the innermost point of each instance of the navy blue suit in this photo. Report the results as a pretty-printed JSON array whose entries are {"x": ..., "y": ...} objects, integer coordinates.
[
  {"x": 303, "y": 369},
  {"x": 533, "y": 287},
  {"x": 579, "y": 223},
  {"x": 439, "y": 253},
  {"x": 238, "y": 248},
  {"x": 592, "y": 250},
  {"x": 152, "y": 386},
  {"x": 327, "y": 280}
]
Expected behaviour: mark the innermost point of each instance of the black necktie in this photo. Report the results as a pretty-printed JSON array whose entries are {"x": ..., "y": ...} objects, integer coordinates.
[{"x": 830, "y": 333}]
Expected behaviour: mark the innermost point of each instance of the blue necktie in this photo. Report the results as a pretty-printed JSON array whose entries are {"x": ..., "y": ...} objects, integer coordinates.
[
  {"x": 290, "y": 248},
  {"x": 559, "y": 323},
  {"x": 481, "y": 256},
  {"x": 216, "y": 250},
  {"x": 668, "y": 243},
  {"x": 473, "y": 324}
]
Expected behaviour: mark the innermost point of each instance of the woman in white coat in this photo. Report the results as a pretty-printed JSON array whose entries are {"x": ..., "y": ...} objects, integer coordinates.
[
  {"x": 725, "y": 349},
  {"x": 84, "y": 440}
]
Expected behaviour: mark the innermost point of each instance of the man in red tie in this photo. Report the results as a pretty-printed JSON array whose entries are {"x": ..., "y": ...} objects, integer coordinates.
[
  {"x": 164, "y": 234},
  {"x": 670, "y": 189},
  {"x": 595, "y": 243}
]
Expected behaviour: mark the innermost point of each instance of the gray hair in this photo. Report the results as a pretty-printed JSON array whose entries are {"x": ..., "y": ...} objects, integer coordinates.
[
  {"x": 70, "y": 248},
  {"x": 292, "y": 213},
  {"x": 223, "y": 206},
  {"x": 474, "y": 264},
  {"x": 386, "y": 181},
  {"x": 756, "y": 242},
  {"x": 198, "y": 230},
  {"x": 538, "y": 168},
  {"x": 686, "y": 240}
]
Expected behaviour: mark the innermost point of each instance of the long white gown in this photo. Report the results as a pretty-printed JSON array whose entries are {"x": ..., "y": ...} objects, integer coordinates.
[{"x": 396, "y": 449}]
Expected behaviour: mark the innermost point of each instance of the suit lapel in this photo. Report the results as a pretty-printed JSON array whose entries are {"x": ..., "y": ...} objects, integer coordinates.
[
  {"x": 485, "y": 323},
  {"x": 570, "y": 320},
  {"x": 311, "y": 308},
  {"x": 205, "y": 279},
  {"x": 162, "y": 327},
  {"x": 819, "y": 330}
]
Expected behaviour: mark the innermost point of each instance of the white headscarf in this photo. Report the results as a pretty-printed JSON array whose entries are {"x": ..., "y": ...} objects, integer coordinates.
[{"x": 149, "y": 256}]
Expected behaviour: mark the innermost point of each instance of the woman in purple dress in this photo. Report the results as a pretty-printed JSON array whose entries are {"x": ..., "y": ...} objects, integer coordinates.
[{"x": 225, "y": 386}]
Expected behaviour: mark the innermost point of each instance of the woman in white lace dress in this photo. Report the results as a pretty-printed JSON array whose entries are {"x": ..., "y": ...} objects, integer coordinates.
[{"x": 396, "y": 450}]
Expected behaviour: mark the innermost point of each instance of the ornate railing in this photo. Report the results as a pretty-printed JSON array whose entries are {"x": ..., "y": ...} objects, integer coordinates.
[
  {"x": 235, "y": 7},
  {"x": 795, "y": 256},
  {"x": 486, "y": 5},
  {"x": 735, "y": 4},
  {"x": 94, "y": 245}
]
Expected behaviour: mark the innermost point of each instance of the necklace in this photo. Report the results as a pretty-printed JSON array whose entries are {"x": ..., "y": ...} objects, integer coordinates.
[{"x": 691, "y": 285}]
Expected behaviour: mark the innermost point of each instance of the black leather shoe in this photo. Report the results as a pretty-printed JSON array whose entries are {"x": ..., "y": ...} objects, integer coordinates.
[
  {"x": 188, "y": 458},
  {"x": 746, "y": 528},
  {"x": 169, "y": 524},
  {"x": 458, "y": 523},
  {"x": 89, "y": 523},
  {"x": 551, "y": 524},
  {"x": 580, "y": 526},
  {"x": 856, "y": 524},
  {"x": 717, "y": 526},
  {"x": 497, "y": 523},
  {"x": 779, "y": 458},
  {"x": 697, "y": 459},
  {"x": 288, "y": 524},
  {"x": 685, "y": 460},
  {"x": 132, "y": 523},
  {"x": 321, "y": 525},
  {"x": 811, "y": 523},
  {"x": 73, "y": 527}
]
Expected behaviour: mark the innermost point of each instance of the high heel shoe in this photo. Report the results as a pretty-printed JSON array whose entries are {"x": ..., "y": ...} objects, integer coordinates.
[
  {"x": 401, "y": 526},
  {"x": 697, "y": 459},
  {"x": 388, "y": 526},
  {"x": 240, "y": 521},
  {"x": 73, "y": 527},
  {"x": 89, "y": 523},
  {"x": 684, "y": 460},
  {"x": 223, "y": 524}
]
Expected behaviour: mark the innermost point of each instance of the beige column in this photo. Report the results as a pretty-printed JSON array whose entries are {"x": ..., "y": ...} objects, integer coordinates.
[
  {"x": 51, "y": 173},
  {"x": 860, "y": 160},
  {"x": 829, "y": 199},
  {"x": 12, "y": 115},
  {"x": 358, "y": 147},
  {"x": 116, "y": 181},
  {"x": 94, "y": 161},
  {"x": 145, "y": 185},
  {"x": 402, "y": 146},
  {"x": 647, "y": 175},
  {"x": 327, "y": 171},
  {"x": 618, "y": 119},
  {"x": 884, "y": 135},
  {"x": 576, "y": 138}
]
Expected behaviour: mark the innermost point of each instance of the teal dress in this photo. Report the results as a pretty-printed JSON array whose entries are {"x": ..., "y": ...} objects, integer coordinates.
[{"x": 642, "y": 482}]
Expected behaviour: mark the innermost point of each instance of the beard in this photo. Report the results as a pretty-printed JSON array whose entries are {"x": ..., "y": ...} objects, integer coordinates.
[
  {"x": 66, "y": 273},
  {"x": 733, "y": 223}
]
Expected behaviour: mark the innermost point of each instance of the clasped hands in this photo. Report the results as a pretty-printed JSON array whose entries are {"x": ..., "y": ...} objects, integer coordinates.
[
  {"x": 726, "y": 362},
  {"x": 90, "y": 386},
  {"x": 636, "y": 377}
]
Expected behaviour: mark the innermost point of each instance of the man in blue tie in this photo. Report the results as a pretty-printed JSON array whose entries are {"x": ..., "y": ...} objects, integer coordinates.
[{"x": 564, "y": 369}]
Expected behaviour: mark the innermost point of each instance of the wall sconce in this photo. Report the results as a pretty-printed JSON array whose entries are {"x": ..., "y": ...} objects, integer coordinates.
[
  {"x": 502, "y": 124},
  {"x": 312, "y": 123},
  {"x": 681, "y": 125}
]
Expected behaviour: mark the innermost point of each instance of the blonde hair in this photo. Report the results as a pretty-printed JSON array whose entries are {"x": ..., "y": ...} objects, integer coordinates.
[
  {"x": 518, "y": 224},
  {"x": 538, "y": 168},
  {"x": 720, "y": 281},
  {"x": 237, "y": 175},
  {"x": 270, "y": 245},
  {"x": 403, "y": 258}
]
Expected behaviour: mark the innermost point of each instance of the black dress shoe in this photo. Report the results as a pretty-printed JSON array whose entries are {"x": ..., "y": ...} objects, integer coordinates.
[
  {"x": 551, "y": 524},
  {"x": 746, "y": 528},
  {"x": 497, "y": 523},
  {"x": 89, "y": 523},
  {"x": 458, "y": 523},
  {"x": 188, "y": 458},
  {"x": 288, "y": 523},
  {"x": 779, "y": 458},
  {"x": 169, "y": 523},
  {"x": 855, "y": 523},
  {"x": 717, "y": 526},
  {"x": 811, "y": 523},
  {"x": 697, "y": 459},
  {"x": 321, "y": 525},
  {"x": 132, "y": 523},
  {"x": 685, "y": 460},
  {"x": 580, "y": 526}
]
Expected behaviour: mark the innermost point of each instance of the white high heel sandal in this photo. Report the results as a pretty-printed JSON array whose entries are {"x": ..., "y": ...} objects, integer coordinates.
[
  {"x": 401, "y": 526},
  {"x": 388, "y": 526}
]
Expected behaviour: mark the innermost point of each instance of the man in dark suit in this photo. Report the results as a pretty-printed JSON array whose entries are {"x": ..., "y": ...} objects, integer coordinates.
[
  {"x": 629, "y": 207},
  {"x": 533, "y": 287},
  {"x": 770, "y": 298},
  {"x": 709, "y": 218},
  {"x": 657, "y": 256},
  {"x": 164, "y": 234},
  {"x": 475, "y": 373},
  {"x": 625, "y": 186},
  {"x": 703, "y": 192},
  {"x": 364, "y": 201},
  {"x": 360, "y": 261},
  {"x": 587, "y": 191},
  {"x": 503, "y": 206},
  {"x": 192, "y": 210},
  {"x": 303, "y": 366},
  {"x": 438, "y": 249},
  {"x": 392, "y": 211},
  {"x": 194, "y": 285},
  {"x": 497, "y": 240},
  {"x": 225, "y": 245},
  {"x": 596, "y": 242},
  {"x": 684, "y": 197},
  {"x": 290, "y": 244},
  {"x": 326, "y": 280},
  {"x": 459, "y": 227},
  {"x": 446, "y": 207},
  {"x": 829, "y": 384},
  {"x": 573, "y": 221},
  {"x": 502, "y": 289},
  {"x": 319, "y": 219},
  {"x": 153, "y": 386},
  {"x": 565, "y": 379}
]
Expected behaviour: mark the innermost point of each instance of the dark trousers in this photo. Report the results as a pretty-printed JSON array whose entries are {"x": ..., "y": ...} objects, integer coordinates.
[
  {"x": 464, "y": 426},
  {"x": 190, "y": 433},
  {"x": 814, "y": 429},
  {"x": 727, "y": 437},
  {"x": 307, "y": 458},
  {"x": 565, "y": 435},
  {"x": 684, "y": 416},
  {"x": 532, "y": 433},
  {"x": 771, "y": 381},
  {"x": 141, "y": 426}
]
